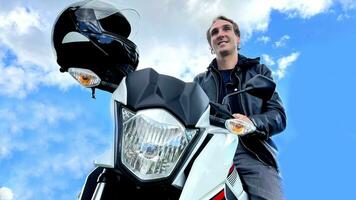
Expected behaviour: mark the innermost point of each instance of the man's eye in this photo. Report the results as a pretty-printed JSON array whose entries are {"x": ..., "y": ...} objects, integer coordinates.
[
  {"x": 227, "y": 28},
  {"x": 214, "y": 32}
]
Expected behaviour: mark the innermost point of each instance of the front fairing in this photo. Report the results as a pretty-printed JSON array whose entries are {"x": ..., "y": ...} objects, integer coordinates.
[
  {"x": 203, "y": 168},
  {"x": 146, "y": 89}
]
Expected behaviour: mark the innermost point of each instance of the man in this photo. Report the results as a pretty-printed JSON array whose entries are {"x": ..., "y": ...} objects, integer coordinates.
[{"x": 255, "y": 158}]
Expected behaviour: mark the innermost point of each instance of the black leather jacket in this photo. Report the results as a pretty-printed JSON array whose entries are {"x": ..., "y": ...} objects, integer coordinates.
[{"x": 268, "y": 116}]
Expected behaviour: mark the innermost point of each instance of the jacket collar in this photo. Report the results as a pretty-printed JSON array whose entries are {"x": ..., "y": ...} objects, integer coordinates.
[{"x": 243, "y": 62}]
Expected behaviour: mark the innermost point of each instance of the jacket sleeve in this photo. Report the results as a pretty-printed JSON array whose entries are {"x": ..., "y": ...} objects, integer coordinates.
[
  {"x": 272, "y": 120},
  {"x": 197, "y": 78}
]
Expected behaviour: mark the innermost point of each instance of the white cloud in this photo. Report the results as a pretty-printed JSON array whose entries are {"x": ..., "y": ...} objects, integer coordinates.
[
  {"x": 26, "y": 31},
  {"x": 284, "y": 63},
  {"x": 282, "y": 41},
  {"x": 248, "y": 22},
  {"x": 6, "y": 193},
  {"x": 202, "y": 8},
  {"x": 27, "y": 34},
  {"x": 20, "y": 20},
  {"x": 6, "y": 147},
  {"x": 19, "y": 79},
  {"x": 3, "y": 151},
  {"x": 56, "y": 170},
  {"x": 16, "y": 82},
  {"x": 303, "y": 8},
  {"x": 264, "y": 39},
  {"x": 268, "y": 60},
  {"x": 254, "y": 15},
  {"x": 46, "y": 137},
  {"x": 34, "y": 118},
  {"x": 179, "y": 60},
  {"x": 347, "y": 4},
  {"x": 342, "y": 17}
]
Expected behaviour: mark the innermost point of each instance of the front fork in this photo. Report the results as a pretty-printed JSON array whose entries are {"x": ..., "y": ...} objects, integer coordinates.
[
  {"x": 106, "y": 182},
  {"x": 99, "y": 185}
]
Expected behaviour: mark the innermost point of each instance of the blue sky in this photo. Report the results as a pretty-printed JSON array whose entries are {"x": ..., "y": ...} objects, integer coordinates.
[{"x": 51, "y": 130}]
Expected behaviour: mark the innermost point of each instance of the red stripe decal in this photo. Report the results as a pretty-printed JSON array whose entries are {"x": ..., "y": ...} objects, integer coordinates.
[
  {"x": 219, "y": 196},
  {"x": 231, "y": 169}
]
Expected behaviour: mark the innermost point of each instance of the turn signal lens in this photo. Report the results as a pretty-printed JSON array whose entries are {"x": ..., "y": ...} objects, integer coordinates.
[
  {"x": 239, "y": 127},
  {"x": 85, "y": 77}
]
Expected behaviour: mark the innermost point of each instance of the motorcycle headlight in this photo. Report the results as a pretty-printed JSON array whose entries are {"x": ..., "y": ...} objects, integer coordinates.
[{"x": 153, "y": 141}]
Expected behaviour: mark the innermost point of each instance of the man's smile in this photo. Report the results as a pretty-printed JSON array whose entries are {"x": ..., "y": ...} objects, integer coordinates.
[{"x": 222, "y": 42}]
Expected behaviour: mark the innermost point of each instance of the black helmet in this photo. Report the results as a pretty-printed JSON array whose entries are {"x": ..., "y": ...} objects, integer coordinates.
[{"x": 94, "y": 35}]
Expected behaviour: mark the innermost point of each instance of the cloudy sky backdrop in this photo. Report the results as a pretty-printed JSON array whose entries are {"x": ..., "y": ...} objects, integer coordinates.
[{"x": 51, "y": 130}]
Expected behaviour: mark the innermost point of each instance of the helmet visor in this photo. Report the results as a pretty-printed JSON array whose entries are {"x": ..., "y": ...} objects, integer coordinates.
[{"x": 98, "y": 16}]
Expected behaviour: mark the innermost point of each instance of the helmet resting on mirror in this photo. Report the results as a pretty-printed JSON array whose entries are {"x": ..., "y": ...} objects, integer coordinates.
[{"x": 94, "y": 35}]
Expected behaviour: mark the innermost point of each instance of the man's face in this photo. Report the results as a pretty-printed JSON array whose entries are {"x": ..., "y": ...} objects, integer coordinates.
[{"x": 223, "y": 38}]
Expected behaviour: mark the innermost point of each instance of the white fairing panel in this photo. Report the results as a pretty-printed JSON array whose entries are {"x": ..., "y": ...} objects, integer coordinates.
[
  {"x": 120, "y": 95},
  {"x": 106, "y": 159},
  {"x": 235, "y": 185},
  {"x": 203, "y": 122},
  {"x": 210, "y": 169}
]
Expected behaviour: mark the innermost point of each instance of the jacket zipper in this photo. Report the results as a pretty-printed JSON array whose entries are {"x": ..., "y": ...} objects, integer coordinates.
[
  {"x": 217, "y": 85},
  {"x": 248, "y": 149},
  {"x": 243, "y": 109}
]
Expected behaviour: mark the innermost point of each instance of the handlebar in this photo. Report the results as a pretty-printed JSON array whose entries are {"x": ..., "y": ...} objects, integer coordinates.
[{"x": 223, "y": 113}]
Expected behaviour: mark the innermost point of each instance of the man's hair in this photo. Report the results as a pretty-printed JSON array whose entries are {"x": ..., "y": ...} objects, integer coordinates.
[{"x": 221, "y": 17}]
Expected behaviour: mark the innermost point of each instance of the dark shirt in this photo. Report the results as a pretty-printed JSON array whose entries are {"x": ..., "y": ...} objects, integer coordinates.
[
  {"x": 226, "y": 77},
  {"x": 229, "y": 86}
]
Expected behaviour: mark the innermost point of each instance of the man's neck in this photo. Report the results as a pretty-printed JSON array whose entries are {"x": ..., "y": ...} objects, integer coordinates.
[{"x": 227, "y": 62}]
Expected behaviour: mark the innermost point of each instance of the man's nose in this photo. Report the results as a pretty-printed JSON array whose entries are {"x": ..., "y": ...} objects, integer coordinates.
[{"x": 220, "y": 34}]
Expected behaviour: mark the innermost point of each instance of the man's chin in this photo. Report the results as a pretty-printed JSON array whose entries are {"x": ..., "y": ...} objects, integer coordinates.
[{"x": 224, "y": 53}]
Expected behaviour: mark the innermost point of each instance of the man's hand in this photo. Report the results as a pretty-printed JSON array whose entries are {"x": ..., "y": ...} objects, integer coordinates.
[
  {"x": 240, "y": 125},
  {"x": 242, "y": 117}
]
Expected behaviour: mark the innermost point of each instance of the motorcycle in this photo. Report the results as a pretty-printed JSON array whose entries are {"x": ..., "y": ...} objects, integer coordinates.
[{"x": 165, "y": 143}]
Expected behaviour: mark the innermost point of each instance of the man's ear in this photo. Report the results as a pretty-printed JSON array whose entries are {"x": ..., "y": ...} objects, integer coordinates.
[{"x": 237, "y": 42}]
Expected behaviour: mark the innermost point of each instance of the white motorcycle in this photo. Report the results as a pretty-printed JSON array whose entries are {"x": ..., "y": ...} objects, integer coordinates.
[{"x": 165, "y": 146}]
